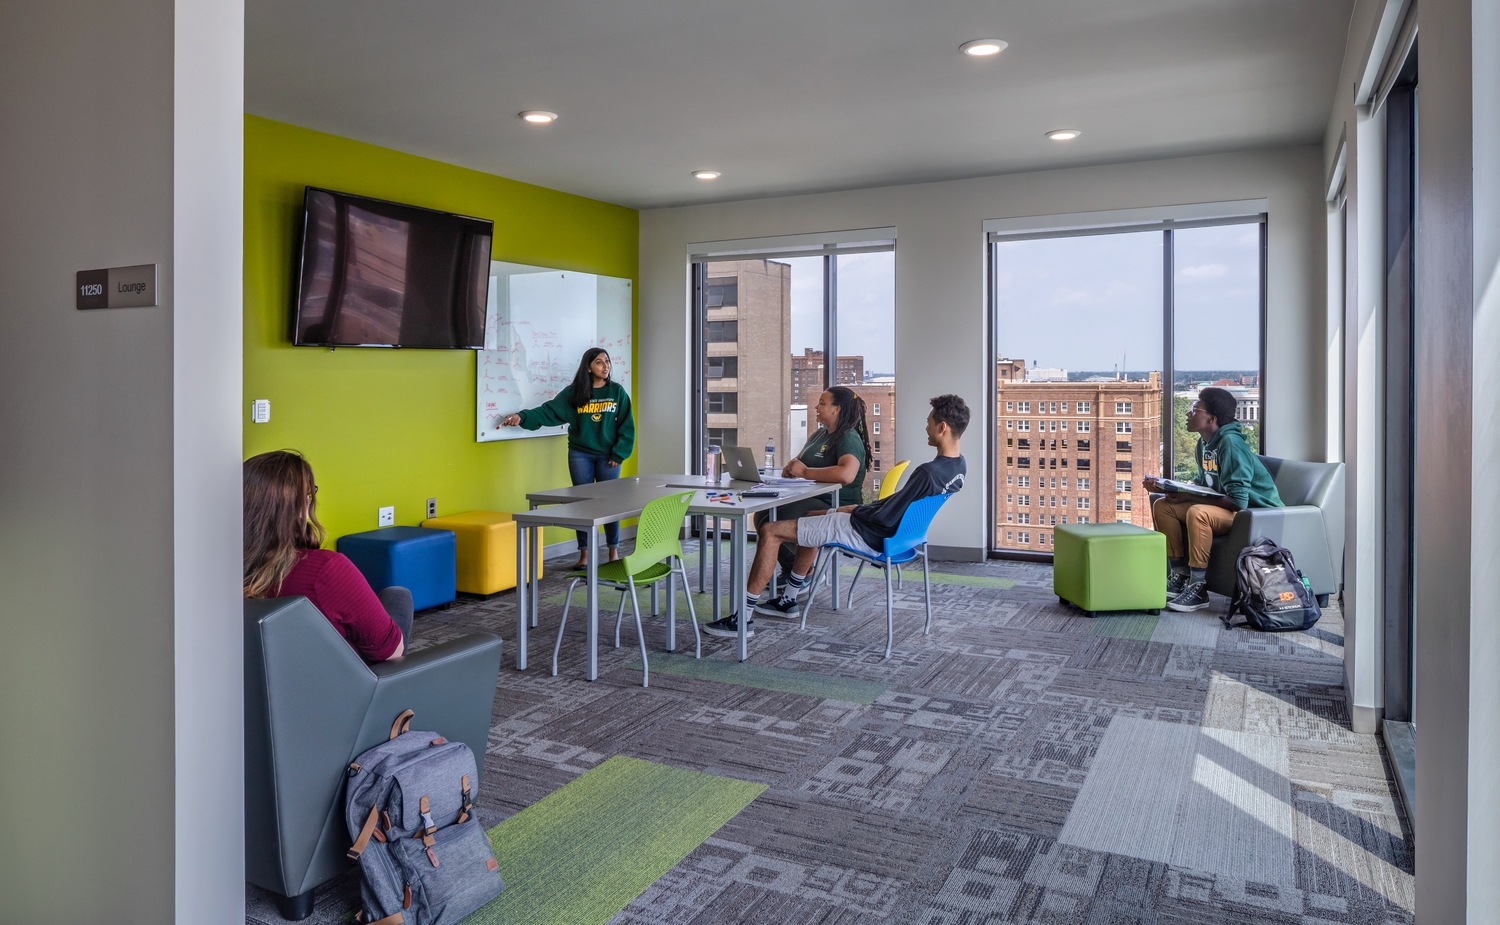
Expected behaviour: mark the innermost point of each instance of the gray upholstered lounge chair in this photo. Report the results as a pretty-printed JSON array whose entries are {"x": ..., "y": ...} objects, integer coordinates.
[
  {"x": 1311, "y": 526},
  {"x": 311, "y": 706}
]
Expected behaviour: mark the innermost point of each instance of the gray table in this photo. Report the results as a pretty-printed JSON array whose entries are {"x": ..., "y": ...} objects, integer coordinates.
[{"x": 588, "y": 507}]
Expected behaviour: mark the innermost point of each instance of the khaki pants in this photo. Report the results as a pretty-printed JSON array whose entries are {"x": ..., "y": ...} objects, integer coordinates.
[{"x": 1200, "y": 522}]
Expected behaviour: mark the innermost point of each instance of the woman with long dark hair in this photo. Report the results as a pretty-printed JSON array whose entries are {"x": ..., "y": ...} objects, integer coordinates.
[
  {"x": 601, "y": 432},
  {"x": 284, "y": 557},
  {"x": 838, "y": 452}
]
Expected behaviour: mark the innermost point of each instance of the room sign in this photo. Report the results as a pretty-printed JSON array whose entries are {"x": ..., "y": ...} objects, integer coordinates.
[{"x": 117, "y": 287}]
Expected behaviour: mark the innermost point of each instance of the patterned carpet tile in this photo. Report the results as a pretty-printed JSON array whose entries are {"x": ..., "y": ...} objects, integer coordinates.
[{"x": 986, "y": 773}]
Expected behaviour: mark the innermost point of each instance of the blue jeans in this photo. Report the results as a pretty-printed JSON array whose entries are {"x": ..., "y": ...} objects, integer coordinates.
[{"x": 591, "y": 467}]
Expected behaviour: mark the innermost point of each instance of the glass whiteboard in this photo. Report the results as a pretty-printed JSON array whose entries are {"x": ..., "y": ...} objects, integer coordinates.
[{"x": 538, "y": 324}]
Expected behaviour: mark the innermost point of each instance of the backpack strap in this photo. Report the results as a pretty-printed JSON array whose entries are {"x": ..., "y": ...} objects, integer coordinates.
[
  {"x": 363, "y": 840},
  {"x": 428, "y": 826},
  {"x": 402, "y": 723},
  {"x": 463, "y": 813}
]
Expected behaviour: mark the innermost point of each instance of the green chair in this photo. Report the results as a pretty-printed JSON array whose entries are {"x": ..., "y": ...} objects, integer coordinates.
[
  {"x": 1101, "y": 567},
  {"x": 657, "y": 555}
]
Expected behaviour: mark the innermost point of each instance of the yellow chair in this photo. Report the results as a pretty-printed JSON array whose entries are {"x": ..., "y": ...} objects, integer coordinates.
[
  {"x": 892, "y": 480},
  {"x": 486, "y": 549},
  {"x": 888, "y": 486}
]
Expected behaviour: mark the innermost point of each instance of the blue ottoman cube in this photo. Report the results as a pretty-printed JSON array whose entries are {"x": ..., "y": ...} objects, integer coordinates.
[{"x": 423, "y": 561}]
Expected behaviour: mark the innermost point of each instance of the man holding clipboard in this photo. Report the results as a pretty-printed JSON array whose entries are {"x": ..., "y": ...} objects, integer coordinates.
[{"x": 1230, "y": 478}]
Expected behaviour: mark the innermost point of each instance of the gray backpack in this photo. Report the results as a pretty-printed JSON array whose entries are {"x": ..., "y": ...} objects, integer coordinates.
[
  {"x": 1270, "y": 592},
  {"x": 424, "y": 858}
]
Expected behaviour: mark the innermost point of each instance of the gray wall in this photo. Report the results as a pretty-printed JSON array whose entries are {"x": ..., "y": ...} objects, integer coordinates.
[
  {"x": 1458, "y": 700},
  {"x": 90, "y": 508},
  {"x": 1360, "y": 135},
  {"x": 1457, "y": 549},
  {"x": 940, "y": 289}
]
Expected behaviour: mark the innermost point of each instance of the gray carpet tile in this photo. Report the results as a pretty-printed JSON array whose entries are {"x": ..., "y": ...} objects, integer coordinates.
[{"x": 1020, "y": 763}]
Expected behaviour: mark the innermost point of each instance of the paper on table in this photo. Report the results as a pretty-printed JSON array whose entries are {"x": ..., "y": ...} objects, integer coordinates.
[
  {"x": 1190, "y": 488},
  {"x": 777, "y": 480}
]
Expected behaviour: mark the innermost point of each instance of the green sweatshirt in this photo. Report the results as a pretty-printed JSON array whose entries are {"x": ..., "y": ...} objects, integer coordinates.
[
  {"x": 1227, "y": 465},
  {"x": 603, "y": 427}
]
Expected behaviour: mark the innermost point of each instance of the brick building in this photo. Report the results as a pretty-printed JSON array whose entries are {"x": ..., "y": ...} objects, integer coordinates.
[
  {"x": 807, "y": 372},
  {"x": 748, "y": 330},
  {"x": 1072, "y": 452}
]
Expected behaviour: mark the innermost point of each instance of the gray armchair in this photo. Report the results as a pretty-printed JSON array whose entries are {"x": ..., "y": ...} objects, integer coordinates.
[
  {"x": 311, "y": 706},
  {"x": 1311, "y": 526}
]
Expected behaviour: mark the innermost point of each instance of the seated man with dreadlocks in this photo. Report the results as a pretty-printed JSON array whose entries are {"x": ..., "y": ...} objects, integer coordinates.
[{"x": 864, "y": 527}]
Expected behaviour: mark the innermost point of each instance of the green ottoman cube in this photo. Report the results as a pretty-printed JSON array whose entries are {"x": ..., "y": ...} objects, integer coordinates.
[{"x": 1110, "y": 567}]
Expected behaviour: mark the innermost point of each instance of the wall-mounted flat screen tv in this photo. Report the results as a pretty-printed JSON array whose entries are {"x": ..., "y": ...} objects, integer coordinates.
[{"x": 381, "y": 274}]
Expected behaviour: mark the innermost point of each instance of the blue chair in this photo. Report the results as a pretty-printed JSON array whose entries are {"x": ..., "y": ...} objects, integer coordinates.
[{"x": 909, "y": 542}]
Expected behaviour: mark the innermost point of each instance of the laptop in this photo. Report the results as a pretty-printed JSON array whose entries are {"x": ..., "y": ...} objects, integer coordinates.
[{"x": 739, "y": 463}]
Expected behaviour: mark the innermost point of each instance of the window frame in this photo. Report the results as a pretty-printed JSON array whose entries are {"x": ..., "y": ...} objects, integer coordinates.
[
  {"x": 828, "y": 246},
  {"x": 1233, "y": 214}
]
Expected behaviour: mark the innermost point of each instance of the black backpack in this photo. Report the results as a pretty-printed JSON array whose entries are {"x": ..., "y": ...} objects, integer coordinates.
[{"x": 1270, "y": 592}]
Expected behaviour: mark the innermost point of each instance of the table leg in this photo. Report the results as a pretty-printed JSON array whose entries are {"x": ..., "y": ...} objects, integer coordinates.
[
  {"x": 702, "y": 555},
  {"x": 833, "y": 570},
  {"x": 718, "y": 603},
  {"x": 535, "y": 557},
  {"x": 775, "y": 573},
  {"x": 671, "y": 606},
  {"x": 521, "y": 542},
  {"x": 737, "y": 581},
  {"x": 592, "y": 672}
]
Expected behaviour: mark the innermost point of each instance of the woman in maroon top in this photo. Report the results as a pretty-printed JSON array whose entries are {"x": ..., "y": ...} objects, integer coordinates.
[{"x": 283, "y": 558}]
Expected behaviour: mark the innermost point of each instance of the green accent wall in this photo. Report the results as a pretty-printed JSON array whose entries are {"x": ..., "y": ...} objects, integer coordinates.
[{"x": 396, "y": 427}]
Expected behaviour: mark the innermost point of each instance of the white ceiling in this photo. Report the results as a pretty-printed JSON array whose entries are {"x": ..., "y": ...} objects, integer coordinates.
[{"x": 788, "y": 96}]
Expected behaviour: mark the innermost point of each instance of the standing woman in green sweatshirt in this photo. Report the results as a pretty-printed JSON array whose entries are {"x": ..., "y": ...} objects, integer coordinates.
[{"x": 601, "y": 432}]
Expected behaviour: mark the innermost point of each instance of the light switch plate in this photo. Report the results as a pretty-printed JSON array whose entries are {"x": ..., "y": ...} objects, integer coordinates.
[
  {"x": 388, "y": 516},
  {"x": 260, "y": 411},
  {"x": 431, "y": 508}
]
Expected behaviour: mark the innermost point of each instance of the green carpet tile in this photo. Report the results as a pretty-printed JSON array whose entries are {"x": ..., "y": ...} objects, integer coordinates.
[
  {"x": 749, "y": 674},
  {"x": 1129, "y": 624},
  {"x": 581, "y": 854}
]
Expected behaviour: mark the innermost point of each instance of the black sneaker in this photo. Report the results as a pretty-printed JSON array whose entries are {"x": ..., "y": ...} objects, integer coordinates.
[
  {"x": 779, "y": 607},
  {"x": 1177, "y": 583},
  {"x": 729, "y": 626},
  {"x": 1193, "y": 597}
]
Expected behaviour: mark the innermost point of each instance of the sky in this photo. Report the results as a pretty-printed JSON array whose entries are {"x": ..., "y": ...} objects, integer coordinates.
[
  {"x": 1094, "y": 301},
  {"x": 866, "y": 307},
  {"x": 1082, "y": 303}
]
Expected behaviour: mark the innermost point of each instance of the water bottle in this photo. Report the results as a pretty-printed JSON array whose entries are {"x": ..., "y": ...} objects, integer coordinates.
[
  {"x": 770, "y": 455},
  {"x": 712, "y": 465}
]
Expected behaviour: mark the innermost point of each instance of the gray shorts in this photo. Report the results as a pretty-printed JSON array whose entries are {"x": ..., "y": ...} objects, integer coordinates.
[{"x": 831, "y": 528}]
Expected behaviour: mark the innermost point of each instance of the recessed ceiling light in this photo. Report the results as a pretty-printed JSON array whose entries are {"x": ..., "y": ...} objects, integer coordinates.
[
  {"x": 1064, "y": 134},
  {"x": 706, "y": 174},
  {"x": 539, "y": 116},
  {"x": 983, "y": 48}
]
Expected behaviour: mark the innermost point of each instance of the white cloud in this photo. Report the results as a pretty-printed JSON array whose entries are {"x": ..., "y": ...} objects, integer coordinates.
[{"x": 1203, "y": 271}]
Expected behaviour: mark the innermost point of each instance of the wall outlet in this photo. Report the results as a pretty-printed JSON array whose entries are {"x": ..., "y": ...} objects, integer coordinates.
[
  {"x": 431, "y": 508},
  {"x": 388, "y": 516},
  {"x": 260, "y": 411}
]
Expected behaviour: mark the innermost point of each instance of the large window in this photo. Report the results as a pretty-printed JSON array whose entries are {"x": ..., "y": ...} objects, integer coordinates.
[
  {"x": 1104, "y": 335},
  {"x": 766, "y": 326},
  {"x": 1215, "y": 328}
]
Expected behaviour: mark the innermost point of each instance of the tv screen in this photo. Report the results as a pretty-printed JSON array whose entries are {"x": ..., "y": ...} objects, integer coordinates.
[{"x": 380, "y": 274}]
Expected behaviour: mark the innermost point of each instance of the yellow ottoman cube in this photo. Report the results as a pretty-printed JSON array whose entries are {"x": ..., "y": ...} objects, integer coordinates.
[{"x": 486, "y": 549}]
